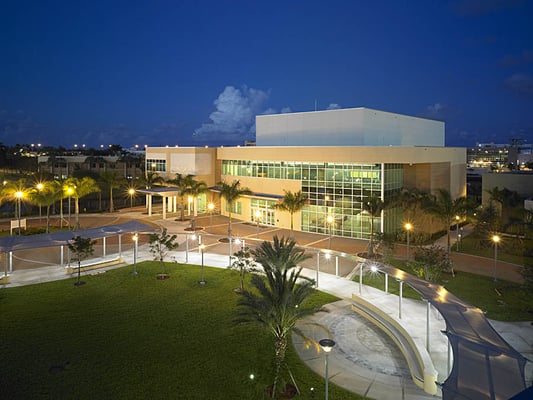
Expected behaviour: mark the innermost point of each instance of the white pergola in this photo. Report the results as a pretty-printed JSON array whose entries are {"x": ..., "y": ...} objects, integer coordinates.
[{"x": 169, "y": 196}]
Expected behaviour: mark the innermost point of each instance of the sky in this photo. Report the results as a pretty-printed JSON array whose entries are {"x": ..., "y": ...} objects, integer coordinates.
[{"x": 194, "y": 73}]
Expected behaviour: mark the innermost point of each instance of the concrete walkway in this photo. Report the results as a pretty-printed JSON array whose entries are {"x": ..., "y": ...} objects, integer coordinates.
[{"x": 364, "y": 360}]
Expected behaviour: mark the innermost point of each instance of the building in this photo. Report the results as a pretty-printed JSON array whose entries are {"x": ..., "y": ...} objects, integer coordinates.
[{"x": 336, "y": 157}]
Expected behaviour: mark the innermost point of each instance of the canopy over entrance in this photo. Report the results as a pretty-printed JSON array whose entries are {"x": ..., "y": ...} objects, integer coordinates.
[{"x": 168, "y": 194}]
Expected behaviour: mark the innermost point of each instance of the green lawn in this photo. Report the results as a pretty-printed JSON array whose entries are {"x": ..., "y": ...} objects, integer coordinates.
[
  {"x": 502, "y": 300},
  {"x": 510, "y": 249},
  {"x": 135, "y": 337}
]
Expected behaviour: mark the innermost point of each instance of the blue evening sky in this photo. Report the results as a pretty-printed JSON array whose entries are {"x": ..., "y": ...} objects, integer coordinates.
[{"x": 167, "y": 72}]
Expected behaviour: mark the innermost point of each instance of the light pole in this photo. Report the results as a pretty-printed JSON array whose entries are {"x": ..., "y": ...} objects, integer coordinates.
[
  {"x": 495, "y": 240},
  {"x": 329, "y": 220},
  {"x": 257, "y": 217},
  {"x": 135, "y": 239},
  {"x": 408, "y": 228},
  {"x": 69, "y": 192},
  {"x": 202, "y": 247},
  {"x": 457, "y": 236},
  {"x": 19, "y": 194},
  {"x": 40, "y": 187},
  {"x": 211, "y": 207},
  {"x": 327, "y": 345},
  {"x": 131, "y": 192}
]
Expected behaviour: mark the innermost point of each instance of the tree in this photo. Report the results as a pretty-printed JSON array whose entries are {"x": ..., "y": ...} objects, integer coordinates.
[
  {"x": 194, "y": 189},
  {"x": 231, "y": 192},
  {"x": 152, "y": 178},
  {"x": 182, "y": 182},
  {"x": 79, "y": 188},
  {"x": 160, "y": 245},
  {"x": 279, "y": 299},
  {"x": 46, "y": 196},
  {"x": 113, "y": 180},
  {"x": 16, "y": 192},
  {"x": 373, "y": 206},
  {"x": 243, "y": 262},
  {"x": 430, "y": 262},
  {"x": 82, "y": 248},
  {"x": 444, "y": 208},
  {"x": 292, "y": 203}
]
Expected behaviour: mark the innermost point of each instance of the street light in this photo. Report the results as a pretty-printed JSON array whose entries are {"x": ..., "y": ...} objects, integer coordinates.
[
  {"x": 70, "y": 191},
  {"x": 327, "y": 345},
  {"x": 40, "y": 187},
  {"x": 131, "y": 192},
  {"x": 202, "y": 247},
  {"x": 495, "y": 240},
  {"x": 408, "y": 228},
  {"x": 19, "y": 194},
  {"x": 457, "y": 236},
  {"x": 135, "y": 239},
  {"x": 211, "y": 207},
  {"x": 329, "y": 220}
]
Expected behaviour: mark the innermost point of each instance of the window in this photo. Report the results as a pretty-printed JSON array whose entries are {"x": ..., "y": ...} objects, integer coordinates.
[{"x": 156, "y": 165}]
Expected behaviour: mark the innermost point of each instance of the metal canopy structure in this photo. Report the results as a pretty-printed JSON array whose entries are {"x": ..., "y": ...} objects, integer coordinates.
[
  {"x": 14, "y": 243},
  {"x": 485, "y": 366}
]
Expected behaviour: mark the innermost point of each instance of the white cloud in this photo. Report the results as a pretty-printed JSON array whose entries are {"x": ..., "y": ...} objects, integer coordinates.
[
  {"x": 286, "y": 110},
  {"x": 234, "y": 117},
  {"x": 333, "y": 106}
]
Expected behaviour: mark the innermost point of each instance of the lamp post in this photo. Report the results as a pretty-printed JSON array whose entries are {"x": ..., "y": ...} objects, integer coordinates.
[
  {"x": 70, "y": 191},
  {"x": 257, "y": 217},
  {"x": 202, "y": 248},
  {"x": 40, "y": 187},
  {"x": 131, "y": 192},
  {"x": 135, "y": 239},
  {"x": 19, "y": 194},
  {"x": 457, "y": 236},
  {"x": 327, "y": 345},
  {"x": 329, "y": 220},
  {"x": 408, "y": 226},
  {"x": 495, "y": 240},
  {"x": 211, "y": 207}
]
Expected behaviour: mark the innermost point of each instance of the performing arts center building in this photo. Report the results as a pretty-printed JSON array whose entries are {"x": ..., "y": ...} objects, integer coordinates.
[{"x": 335, "y": 157}]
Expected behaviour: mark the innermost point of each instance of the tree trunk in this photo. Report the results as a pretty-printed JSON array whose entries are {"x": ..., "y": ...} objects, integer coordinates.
[{"x": 281, "y": 349}]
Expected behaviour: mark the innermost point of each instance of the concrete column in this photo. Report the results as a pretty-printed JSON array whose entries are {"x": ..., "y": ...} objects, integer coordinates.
[
  {"x": 164, "y": 207},
  {"x": 103, "y": 246}
]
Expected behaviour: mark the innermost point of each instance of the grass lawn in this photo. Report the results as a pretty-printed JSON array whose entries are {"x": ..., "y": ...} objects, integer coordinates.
[
  {"x": 134, "y": 337},
  {"x": 501, "y": 300},
  {"x": 510, "y": 249}
]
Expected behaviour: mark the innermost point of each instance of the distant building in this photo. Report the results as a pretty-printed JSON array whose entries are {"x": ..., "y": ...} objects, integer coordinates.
[{"x": 335, "y": 157}]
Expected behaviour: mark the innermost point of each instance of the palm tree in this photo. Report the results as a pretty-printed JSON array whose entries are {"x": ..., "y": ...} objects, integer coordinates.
[
  {"x": 444, "y": 208},
  {"x": 152, "y": 178},
  {"x": 279, "y": 299},
  {"x": 373, "y": 206},
  {"x": 231, "y": 192},
  {"x": 16, "y": 192},
  {"x": 79, "y": 188},
  {"x": 182, "y": 182},
  {"x": 113, "y": 180},
  {"x": 194, "y": 189},
  {"x": 46, "y": 196},
  {"x": 292, "y": 203}
]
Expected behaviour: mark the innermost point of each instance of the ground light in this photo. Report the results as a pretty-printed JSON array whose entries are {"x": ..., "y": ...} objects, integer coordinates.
[
  {"x": 327, "y": 346},
  {"x": 19, "y": 196},
  {"x": 135, "y": 238}
]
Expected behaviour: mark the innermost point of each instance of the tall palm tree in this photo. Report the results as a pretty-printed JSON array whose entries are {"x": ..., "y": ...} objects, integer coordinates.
[
  {"x": 231, "y": 192},
  {"x": 195, "y": 189},
  {"x": 279, "y": 299},
  {"x": 444, "y": 208},
  {"x": 292, "y": 203},
  {"x": 80, "y": 188},
  {"x": 113, "y": 180},
  {"x": 17, "y": 192},
  {"x": 373, "y": 206},
  {"x": 182, "y": 182},
  {"x": 152, "y": 178},
  {"x": 46, "y": 196}
]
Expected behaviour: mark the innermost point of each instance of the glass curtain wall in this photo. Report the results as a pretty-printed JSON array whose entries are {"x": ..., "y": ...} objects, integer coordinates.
[{"x": 335, "y": 190}]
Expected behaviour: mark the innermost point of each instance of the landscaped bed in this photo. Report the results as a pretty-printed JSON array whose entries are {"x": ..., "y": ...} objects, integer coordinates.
[{"x": 122, "y": 336}]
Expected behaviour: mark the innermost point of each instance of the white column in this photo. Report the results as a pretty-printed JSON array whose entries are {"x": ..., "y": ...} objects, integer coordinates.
[
  {"x": 149, "y": 202},
  {"x": 164, "y": 207},
  {"x": 175, "y": 203},
  {"x": 336, "y": 265},
  {"x": 10, "y": 262},
  {"x": 169, "y": 203},
  {"x": 428, "y": 313},
  {"x": 103, "y": 246},
  {"x": 317, "y": 266},
  {"x": 62, "y": 252},
  {"x": 120, "y": 245}
]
